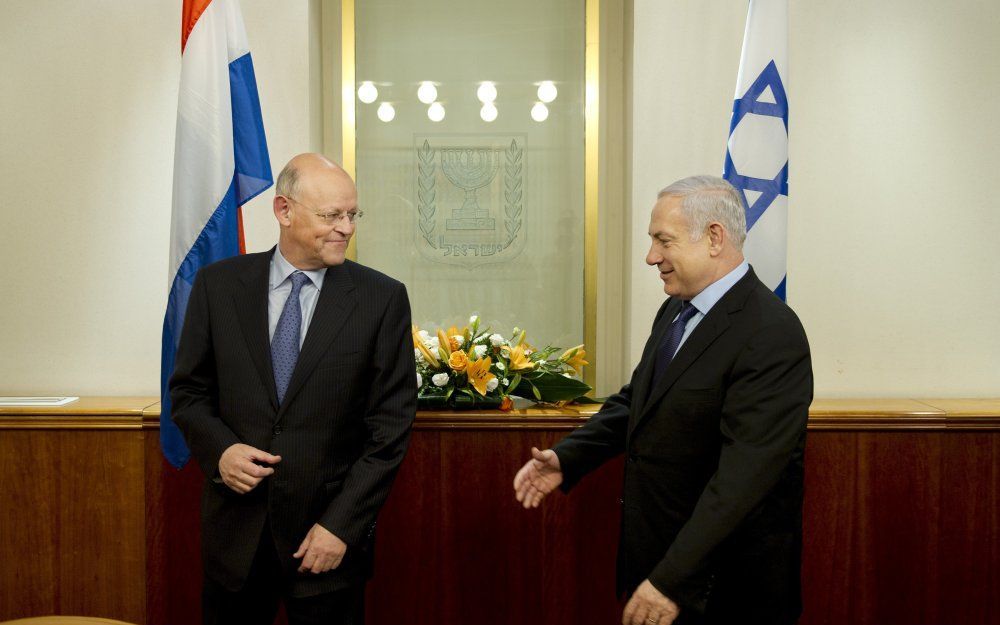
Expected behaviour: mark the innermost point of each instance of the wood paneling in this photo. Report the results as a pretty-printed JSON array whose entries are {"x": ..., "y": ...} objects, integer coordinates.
[
  {"x": 902, "y": 528},
  {"x": 901, "y": 519},
  {"x": 72, "y": 523}
]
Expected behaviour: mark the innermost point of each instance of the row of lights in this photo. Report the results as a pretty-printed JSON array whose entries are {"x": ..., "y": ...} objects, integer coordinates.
[{"x": 486, "y": 93}]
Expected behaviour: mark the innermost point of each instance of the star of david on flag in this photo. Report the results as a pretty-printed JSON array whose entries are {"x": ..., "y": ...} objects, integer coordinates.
[{"x": 757, "y": 154}]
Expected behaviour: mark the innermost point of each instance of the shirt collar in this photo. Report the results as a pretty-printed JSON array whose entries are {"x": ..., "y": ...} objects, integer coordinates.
[
  {"x": 711, "y": 294},
  {"x": 281, "y": 269}
]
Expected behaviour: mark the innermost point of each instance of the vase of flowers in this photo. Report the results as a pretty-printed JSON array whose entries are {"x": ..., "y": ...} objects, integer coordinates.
[{"x": 471, "y": 367}]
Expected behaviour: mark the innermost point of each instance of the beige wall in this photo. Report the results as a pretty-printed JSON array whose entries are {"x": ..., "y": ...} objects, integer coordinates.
[
  {"x": 893, "y": 226},
  {"x": 894, "y": 215},
  {"x": 87, "y": 114}
]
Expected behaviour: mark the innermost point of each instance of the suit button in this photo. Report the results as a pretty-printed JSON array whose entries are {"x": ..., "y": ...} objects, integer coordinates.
[
  {"x": 633, "y": 458},
  {"x": 276, "y": 430}
]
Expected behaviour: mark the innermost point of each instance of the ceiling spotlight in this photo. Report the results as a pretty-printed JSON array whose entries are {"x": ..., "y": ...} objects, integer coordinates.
[
  {"x": 547, "y": 91},
  {"x": 488, "y": 112},
  {"x": 367, "y": 92},
  {"x": 386, "y": 112},
  {"x": 427, "y": 92},
  {"x": 487, "y": 92},
  {"x": 539, "y": 112},
  {"x": 435, "y": 112}
]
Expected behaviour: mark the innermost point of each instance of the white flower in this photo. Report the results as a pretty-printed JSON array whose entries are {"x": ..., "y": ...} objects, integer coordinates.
[
  {"x": 500, "y": 365},
  {"x": 432, "y": 344},
  {"x": 459, "y": 339},
  {"x": 473, "y": 320},
  {"x": 528, "y": 352},
  {"x": 418, "y": 355},
  {"x": 491, "y": 385},
  {"x": 480, "y": 351},
  {"x": 424, "y": 335},
  {"x": 420, "y": 380},
  {"x": 439, "y": 379},
  {"x": 506, "y": 382},
  {"x": 496, "y": 340}
]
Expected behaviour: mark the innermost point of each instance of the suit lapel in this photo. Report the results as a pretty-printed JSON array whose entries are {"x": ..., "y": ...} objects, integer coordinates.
[
  {"x": 336, "y": 302},
  {"x": 708, "y": 330},
  {"x": 251, "y": 309}
]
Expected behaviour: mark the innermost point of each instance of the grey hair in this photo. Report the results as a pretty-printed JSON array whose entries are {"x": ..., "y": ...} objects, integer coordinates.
[
  {"x": 288, "y": 181},
  {"x": 705, "y": 199}
]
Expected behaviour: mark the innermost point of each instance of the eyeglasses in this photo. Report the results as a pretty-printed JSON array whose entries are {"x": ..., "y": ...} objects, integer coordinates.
[{"x": 331, "y": 218}]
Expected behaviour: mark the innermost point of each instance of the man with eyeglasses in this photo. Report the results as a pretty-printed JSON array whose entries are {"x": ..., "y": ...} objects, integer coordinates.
[{"x": 294, "y": 388}]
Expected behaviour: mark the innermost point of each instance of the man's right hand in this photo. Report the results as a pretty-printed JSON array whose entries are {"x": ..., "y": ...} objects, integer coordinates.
[
  {"x": 537, "y": 478},
  {"x": 239, "y": 470}
]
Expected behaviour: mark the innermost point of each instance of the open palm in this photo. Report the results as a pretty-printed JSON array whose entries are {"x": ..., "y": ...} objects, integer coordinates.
[{"x": 537, "y": 478}]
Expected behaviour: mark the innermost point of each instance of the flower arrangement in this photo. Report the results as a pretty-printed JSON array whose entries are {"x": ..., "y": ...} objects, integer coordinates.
[{"x": 473, "y": 367}]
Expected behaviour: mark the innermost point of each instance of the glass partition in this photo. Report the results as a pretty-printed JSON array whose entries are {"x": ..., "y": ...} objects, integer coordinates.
[{"x": 470, "y": 159}]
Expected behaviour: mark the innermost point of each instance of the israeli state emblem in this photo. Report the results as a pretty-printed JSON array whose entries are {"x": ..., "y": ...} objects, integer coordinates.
[{"x": 470, "y": 198}]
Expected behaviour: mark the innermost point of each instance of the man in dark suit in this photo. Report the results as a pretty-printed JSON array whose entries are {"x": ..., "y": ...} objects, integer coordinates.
[
  {"x": 294, "y": 387},
  {"x": 713, "y": 426}
]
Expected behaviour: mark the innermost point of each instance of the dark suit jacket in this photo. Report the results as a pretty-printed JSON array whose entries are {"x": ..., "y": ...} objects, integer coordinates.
[
  {"x": 712, "y": 495},
  {"x": 341, "y": 431}
]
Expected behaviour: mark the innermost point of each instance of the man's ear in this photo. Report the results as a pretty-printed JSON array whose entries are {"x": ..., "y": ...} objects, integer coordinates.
[
  {"x": 716, "y": 238},
  {"x": 282, "y": 207}
]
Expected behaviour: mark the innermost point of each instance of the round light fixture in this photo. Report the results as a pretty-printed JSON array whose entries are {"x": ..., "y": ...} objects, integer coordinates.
[
  {"x": 539, "y": 112},
  {"x": 547, "y": 91},
  {"x": 367, "y": 92},
  {"x": 487, "y": 92},
  {"x": 386, "y": 112},
  {"x": 427, "y": 92},
  {"x": 435, "y": 112},
  {"x": 488, "y": 112}
]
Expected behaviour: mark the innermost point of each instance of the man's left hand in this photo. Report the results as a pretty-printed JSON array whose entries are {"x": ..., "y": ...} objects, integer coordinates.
[
  {"x": 648, "y": 606},
  {"x": 321, "y": 551}
]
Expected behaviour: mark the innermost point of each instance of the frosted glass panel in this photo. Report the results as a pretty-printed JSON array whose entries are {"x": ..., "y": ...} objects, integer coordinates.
[{"x": 482, "y": 211}]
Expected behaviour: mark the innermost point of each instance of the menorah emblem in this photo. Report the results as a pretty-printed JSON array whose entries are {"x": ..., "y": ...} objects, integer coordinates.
[{"x": 470, "y": 169}]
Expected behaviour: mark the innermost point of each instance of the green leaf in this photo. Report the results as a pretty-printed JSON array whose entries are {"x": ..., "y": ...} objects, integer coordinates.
[{"x": 548, "y": 386}]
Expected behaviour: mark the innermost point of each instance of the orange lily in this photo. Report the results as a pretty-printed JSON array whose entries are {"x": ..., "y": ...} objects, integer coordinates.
[
  {"x": 574, "y": 357},
  {"x": 479, "y": 374},
  {"x": 518, "y": 361}
]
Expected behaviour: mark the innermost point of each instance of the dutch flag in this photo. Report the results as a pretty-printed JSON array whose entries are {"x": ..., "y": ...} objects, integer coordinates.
[
  {"x": 757, "y": 158},
  {"x": 220, "y": 163}
]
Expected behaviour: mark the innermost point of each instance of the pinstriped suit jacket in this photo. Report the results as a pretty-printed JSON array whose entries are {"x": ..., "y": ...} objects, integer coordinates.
[{"x": 341, "y": 431}]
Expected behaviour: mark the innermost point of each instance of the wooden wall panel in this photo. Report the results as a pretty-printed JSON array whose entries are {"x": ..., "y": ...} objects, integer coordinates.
[
  {"x": 72, "y": 524},
  {"x": 902, "y": 521},
  {"x": 901, "y": 528},
  {"x": 454, "y": 543}
]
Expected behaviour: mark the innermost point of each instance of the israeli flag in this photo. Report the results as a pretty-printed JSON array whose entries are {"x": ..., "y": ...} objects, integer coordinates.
[{"x": 757, "y": 158}]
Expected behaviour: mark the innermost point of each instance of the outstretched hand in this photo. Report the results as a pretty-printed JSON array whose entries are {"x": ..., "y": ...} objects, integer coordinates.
[{"x": 537, "y": 478}]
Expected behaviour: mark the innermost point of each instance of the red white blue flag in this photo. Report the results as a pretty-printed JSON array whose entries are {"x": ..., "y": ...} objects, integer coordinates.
[
  {"x": 220, "y": 163},
  {"x": 757, "y": 158}
]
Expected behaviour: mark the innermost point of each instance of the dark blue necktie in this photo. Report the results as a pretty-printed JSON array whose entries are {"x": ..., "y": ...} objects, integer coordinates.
[
  {"x": 285, "y": 343},
  {"x": 672, "y": 340}
]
